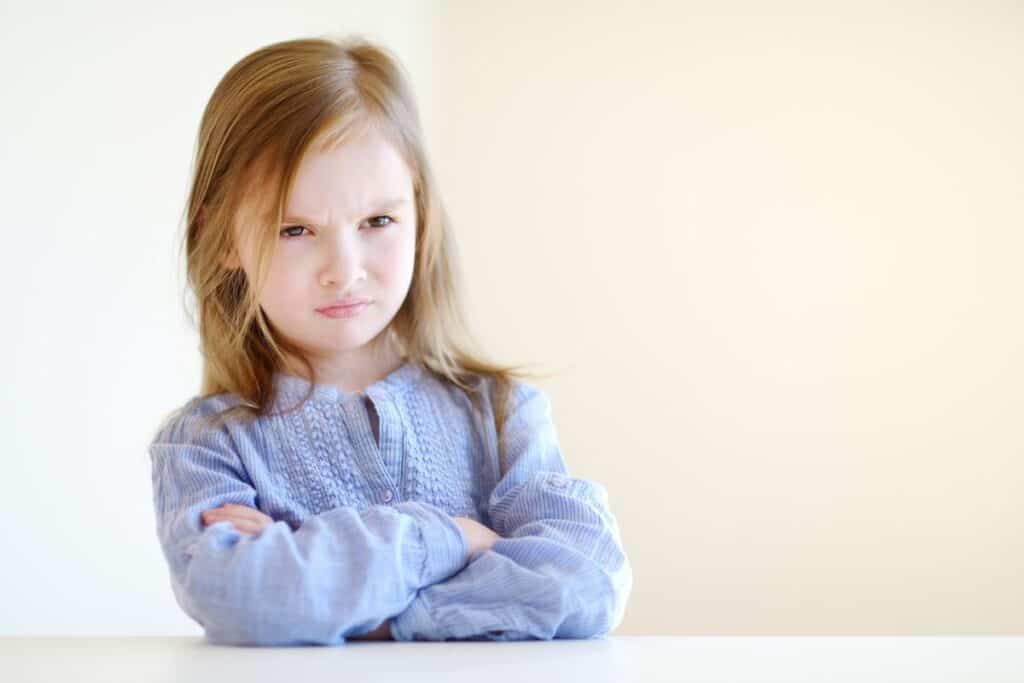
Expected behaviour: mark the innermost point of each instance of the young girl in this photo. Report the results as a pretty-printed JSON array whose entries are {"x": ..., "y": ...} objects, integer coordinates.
[{"x": 350, "y": 470}]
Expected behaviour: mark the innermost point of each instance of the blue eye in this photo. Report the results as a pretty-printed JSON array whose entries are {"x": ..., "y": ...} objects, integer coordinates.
[
  {"x": 390, "y": 221},
  {"x": 288, "y": 235}
]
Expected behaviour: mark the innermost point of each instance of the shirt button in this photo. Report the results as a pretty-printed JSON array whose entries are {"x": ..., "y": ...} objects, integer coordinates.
[
  {"x": 559, "y": 481},
  {"x": 387, "y": 496}
]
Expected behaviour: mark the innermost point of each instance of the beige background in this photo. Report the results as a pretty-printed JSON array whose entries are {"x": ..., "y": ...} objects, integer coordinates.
[
  {"x": 772, "y": 251},
  {"x": 768, "y": 254}
]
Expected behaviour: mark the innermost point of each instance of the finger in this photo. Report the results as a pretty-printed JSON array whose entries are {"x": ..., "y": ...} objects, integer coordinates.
[
  {"x": 244, "y": 511},
  {"x": 229, "y": 507},
  {"x": 247, "y": 524},
  {"x": 239, "y": 524},
  {"x": 258, "y": 517},
  {"x": 212, "y": 514},
  {"x": 254, "y": 522},
  {"x": 248, "y": 527},
  {"x": 223, "y": 513},
  {"x": 245, "y": 527},
  {"x": 215, "y": 519},
  {"x": 212, "y": 517},
  {"x": 234, "y": 519}
]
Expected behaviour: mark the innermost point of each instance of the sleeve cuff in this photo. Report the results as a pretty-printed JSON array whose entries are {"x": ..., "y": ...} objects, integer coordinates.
[
  {"x": 445, "y": 546},
  {"x": 415, "y": 623}
]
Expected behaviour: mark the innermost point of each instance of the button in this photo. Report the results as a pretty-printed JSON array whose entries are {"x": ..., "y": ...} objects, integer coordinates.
[
  {"x": 559, "y": 481},
  {"x": 387, "y": 496}
]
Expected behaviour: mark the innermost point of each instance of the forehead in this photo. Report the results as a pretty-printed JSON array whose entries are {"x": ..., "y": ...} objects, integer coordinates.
[{"x": 350, "y": 178}]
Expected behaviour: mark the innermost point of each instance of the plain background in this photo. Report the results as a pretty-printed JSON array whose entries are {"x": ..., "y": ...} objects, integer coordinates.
[{"x": 770, "y": 252}]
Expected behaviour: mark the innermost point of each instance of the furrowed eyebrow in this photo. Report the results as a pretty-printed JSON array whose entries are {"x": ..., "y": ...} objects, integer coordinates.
[{"x": 383, "y": 205}]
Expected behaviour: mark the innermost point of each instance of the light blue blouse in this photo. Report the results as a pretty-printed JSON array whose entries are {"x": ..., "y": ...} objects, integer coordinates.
[{"x": 362, "y": 488}]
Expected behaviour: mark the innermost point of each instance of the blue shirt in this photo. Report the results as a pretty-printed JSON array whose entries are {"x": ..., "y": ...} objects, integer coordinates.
[{"x": 362, "y": 488}]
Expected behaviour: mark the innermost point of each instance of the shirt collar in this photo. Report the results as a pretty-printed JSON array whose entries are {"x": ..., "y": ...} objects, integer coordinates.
[{"x": 292, "y": 388}]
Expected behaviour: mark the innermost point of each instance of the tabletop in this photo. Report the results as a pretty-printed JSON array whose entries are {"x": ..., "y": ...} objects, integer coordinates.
[{"x": 732, "y": 659}]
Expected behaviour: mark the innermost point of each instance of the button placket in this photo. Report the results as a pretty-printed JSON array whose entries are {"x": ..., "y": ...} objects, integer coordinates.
[
  {"x": 392, "y": 444},
  {"x": 370, "y": 456}
]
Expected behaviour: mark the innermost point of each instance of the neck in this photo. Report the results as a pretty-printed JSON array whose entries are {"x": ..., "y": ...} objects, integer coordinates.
[{"x": 354, "y": 371}]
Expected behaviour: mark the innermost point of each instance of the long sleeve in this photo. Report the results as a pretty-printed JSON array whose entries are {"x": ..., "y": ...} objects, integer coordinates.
[
  {"x": 337, "y": 575},
  {"x": 559, "y": 570}
]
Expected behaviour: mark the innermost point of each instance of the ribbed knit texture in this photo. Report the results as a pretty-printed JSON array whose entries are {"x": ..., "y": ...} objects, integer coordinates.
[{"x": 363, "y": 488}]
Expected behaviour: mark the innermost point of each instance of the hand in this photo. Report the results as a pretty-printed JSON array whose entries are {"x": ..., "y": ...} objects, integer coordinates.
[
  {"x": 249, "y": 520},
  {"x": 382, "y": 632},
  {"x": 478, "y": 537},
  {"x": 244, "y": 518}
]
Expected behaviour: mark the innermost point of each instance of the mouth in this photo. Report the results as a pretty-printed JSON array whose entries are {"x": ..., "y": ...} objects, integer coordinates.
[
  {"x": 347, "y": 301},
  {"x": 344, "y": 311}
]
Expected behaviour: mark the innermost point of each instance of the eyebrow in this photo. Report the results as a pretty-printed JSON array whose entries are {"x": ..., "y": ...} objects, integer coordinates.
[{"x": 382, "y": 205}]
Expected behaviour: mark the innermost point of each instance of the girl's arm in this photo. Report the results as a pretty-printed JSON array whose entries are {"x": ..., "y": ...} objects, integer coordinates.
[
  {"x": 280, "y": 587},
  {"x": 559, "y": 570},
  {"x": 251, "y": 521}
]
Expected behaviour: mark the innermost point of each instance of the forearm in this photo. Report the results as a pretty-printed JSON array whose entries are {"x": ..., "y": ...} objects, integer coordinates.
[
  {"x": 311, "y": 574},
  {"x": 561, "y": 573}
]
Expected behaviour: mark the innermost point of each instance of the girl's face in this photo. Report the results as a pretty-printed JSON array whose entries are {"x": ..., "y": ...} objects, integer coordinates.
[{"x": 349, "y": 231}]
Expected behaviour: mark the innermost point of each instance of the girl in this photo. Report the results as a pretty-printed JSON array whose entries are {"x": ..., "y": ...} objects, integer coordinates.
[{"x": 350, "y": 470}]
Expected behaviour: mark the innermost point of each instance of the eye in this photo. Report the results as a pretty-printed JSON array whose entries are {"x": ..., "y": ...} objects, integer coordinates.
[
  {"x": 288, "y": 234},
  {"x": 389, "y": 218}
]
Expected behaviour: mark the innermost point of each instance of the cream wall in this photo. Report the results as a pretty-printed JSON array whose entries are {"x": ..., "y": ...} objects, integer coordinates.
[
  {"x": 769, "y": 251},
  {"x": 768, "y": 258},
  {"x": 101, "y": 103}
]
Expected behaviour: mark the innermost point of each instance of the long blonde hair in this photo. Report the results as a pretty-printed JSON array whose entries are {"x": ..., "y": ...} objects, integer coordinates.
[{"x": 268, "y": 110}]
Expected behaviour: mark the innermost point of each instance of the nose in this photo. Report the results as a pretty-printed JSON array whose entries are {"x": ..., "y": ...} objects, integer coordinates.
[{"x": 342, "y": 265}]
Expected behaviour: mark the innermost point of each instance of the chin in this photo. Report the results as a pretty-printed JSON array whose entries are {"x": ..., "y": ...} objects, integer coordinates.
[{"x": 347, "y": 344}]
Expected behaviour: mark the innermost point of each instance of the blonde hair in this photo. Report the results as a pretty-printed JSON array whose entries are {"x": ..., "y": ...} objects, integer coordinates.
[{"x": 267, "y": 112}]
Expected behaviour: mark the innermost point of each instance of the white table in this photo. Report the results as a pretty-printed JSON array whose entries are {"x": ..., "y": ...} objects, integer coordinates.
[{"x": 616, "y": 658}]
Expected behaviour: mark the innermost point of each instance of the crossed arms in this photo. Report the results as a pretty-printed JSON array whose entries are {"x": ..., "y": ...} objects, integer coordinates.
[{"x": 555, "y": 567}]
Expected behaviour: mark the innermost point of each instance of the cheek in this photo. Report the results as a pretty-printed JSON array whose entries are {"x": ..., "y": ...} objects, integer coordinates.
[
  {"x": 395, "y": 261},
  {"x": 284, "y": 284}
]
